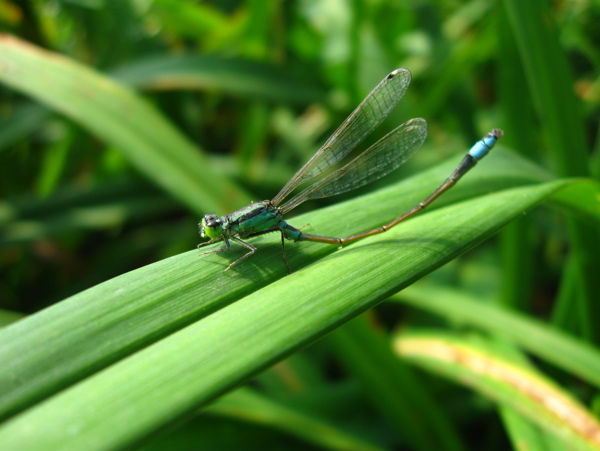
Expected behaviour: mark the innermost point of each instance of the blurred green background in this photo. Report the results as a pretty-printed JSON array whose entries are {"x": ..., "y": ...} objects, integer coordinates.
[{"x": 232, "y": 98}]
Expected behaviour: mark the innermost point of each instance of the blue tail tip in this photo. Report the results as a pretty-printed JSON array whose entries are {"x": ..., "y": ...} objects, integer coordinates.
[{"x": 483, "y": 147}]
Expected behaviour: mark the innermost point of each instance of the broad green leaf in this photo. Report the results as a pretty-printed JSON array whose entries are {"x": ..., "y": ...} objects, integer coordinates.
[
  {"x": 190, "y": 367},
  {"x": 120, "y": 117},
  {"x": 569, "y": 353},
  {"x": 507, "y": 383},
  {"x": 135, "y": 309}
]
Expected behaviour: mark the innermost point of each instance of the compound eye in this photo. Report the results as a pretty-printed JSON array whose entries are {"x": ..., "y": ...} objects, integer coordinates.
[{"x": 212, "y": 221}]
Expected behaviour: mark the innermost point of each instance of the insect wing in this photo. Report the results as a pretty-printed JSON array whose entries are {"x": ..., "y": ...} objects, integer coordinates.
[
  {"x": 368, "y": 115},
  {"x": 383, "y": 157}
]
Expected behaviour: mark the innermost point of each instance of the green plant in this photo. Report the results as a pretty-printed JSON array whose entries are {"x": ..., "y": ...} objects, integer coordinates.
[{"x": 166, "y": 333}]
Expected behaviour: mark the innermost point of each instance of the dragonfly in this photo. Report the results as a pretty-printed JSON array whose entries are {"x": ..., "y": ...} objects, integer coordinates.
[{"x": 383, "y": 157}]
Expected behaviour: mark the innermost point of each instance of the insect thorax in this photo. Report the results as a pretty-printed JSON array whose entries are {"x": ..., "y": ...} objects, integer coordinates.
[{"x": 257, "y": 217}]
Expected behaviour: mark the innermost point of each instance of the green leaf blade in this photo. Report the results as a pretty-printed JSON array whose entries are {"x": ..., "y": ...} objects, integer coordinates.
[
  {"x": 122, "y": 118},
  {"x": 207, "y": 358}
]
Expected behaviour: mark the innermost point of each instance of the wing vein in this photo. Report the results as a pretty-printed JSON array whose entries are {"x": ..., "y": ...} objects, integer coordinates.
[{"x": 368, "y": 115}]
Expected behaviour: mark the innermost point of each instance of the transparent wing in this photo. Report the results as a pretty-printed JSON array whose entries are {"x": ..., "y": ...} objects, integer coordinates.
[
  {"x": 368, "y": 115},
  {"x": 383, "y": 157}
]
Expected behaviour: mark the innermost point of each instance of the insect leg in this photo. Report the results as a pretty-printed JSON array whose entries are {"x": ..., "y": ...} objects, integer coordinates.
[
  {"x": 228, "y": 246},
  {"x": 283, "y": 236},
  {"x": 243, "y": 257}
]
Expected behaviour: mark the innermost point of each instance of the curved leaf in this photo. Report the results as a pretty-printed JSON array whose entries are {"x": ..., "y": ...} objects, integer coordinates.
[
  {"x": 194, "y": 365},
  {"x": 231, "y": 75},
  {"x": 135, "y": 309},
  {"x": 507, "y": 383},
  {"x": 543, "y": 340},
  {"x": 121, "y": 118}
]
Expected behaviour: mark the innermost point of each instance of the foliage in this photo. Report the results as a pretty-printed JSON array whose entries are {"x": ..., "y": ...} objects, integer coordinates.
[{"x": 106, "y": 108}]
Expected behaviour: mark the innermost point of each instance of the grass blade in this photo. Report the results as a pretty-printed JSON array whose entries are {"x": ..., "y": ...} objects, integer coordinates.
[
  {"x": 507, "y": 383},
  {"x": 121, "y": 118},
  {"x": 203, "y": 360}
]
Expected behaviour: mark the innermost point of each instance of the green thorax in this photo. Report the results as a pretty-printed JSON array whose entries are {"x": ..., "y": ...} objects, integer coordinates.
[{"x": 254, "y": 218}]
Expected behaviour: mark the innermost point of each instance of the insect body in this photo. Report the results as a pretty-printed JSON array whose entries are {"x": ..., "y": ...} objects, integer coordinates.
[{"x": 380, "y": 159}]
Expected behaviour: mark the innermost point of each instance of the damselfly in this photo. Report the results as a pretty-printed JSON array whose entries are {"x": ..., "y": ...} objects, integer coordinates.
[{"x": 380, "y": 159}]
